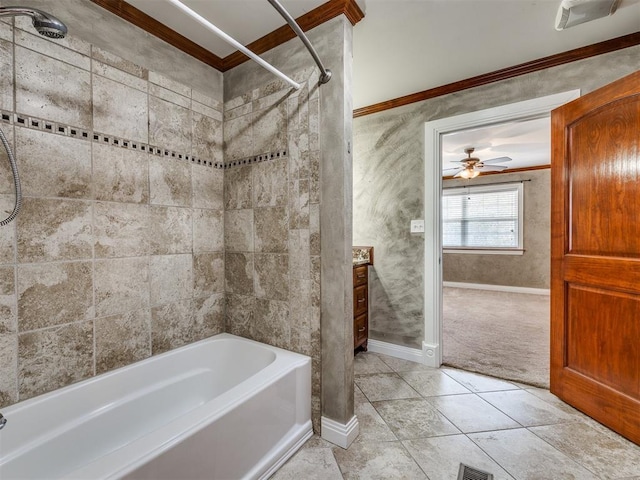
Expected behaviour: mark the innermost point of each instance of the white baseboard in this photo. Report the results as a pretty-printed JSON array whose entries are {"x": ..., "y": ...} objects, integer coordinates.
[
  {"x": 431, "y": 356},
  {"x": 497, "y": 288},
  {"x": 338, "y": 433},
  {"x": 398, "y": 351}
]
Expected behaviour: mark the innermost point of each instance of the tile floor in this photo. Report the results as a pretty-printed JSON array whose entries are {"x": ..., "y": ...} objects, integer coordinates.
[{"x": 420, "y": 423}]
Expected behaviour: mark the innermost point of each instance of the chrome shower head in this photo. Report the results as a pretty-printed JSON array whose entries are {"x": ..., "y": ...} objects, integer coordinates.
[{"x": 44, "y": 23}]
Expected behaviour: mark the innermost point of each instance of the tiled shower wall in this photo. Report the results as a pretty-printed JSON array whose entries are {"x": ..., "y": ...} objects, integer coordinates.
[
  {"x": 118, "y": 252},
  {"x": 272, "y": 218}
]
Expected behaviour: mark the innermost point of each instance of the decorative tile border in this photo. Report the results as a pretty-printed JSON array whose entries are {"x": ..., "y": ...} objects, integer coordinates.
[
  {"x": 83, "y": 134},
  {"x": 257, "y": 159}
]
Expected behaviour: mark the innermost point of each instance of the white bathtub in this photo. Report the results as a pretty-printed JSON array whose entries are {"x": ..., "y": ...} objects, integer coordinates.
[{"x": 222, "y": 408}]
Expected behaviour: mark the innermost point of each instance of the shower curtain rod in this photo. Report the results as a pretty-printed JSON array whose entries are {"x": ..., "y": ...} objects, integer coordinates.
[
  {"x": 326, "y": 73},
  {"x": 235, "y": 43}
]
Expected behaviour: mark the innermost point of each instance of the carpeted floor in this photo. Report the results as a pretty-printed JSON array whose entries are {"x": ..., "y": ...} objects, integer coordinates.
[{"x": 505, "y": 335}]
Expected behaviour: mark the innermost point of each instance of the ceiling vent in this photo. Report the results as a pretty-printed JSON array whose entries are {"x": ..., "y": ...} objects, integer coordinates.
[{"x": 575, "y": 12}]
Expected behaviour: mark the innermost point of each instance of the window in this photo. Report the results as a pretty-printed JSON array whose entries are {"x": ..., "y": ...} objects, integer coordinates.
[{"x": 487, "y": 217}]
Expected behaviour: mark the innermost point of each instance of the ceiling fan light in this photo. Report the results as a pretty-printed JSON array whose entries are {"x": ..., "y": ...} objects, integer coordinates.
[{"x": 469, "y": 173}]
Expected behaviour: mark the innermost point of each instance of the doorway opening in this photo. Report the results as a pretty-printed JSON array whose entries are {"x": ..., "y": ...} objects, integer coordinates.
[
  {"x": 435, "y": 133},
  {"x": 496, "y": 250}
]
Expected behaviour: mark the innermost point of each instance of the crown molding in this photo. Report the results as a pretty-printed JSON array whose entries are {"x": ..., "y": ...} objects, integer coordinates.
[
  {"x": 150, "y": 25},
  {"x": 569, "y": 56},
  {"x": 508, "y": 170},
  {"x": 312, "y": 19}
]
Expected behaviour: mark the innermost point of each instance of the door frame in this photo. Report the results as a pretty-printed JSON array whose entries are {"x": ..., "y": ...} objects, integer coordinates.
[{"x": 528, "y": 109}]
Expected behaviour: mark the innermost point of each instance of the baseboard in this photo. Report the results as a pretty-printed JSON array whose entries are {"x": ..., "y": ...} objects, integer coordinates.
[
  {"x": 497, "y": 288},
  {"x": 431, "y": 355},
  {"x": 339, "y": 433},
  {"x": 398, "y": 351}
]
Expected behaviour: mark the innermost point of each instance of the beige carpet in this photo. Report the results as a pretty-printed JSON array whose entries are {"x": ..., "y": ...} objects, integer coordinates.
[{"x": 505, "y": 335}]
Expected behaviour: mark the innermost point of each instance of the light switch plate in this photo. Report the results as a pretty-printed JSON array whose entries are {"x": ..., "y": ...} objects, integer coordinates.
[{"x": 417, "y": 226}]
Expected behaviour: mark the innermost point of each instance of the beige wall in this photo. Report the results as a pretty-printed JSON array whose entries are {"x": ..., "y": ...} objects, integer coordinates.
[
  {"x": 117, "y": 253},
  {"x": 531, "y": 269}
]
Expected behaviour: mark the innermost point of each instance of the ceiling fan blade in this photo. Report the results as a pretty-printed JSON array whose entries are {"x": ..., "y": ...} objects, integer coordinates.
[
  {"x": 497, "y": 160},
  {"x": 489, "y": 168},
  {"x": 453, "y": 168},
  {"x": 457, "y": 175}
]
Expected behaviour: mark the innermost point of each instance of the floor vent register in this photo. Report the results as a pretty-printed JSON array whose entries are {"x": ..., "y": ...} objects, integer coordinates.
[{"x": 469, "y": 473}]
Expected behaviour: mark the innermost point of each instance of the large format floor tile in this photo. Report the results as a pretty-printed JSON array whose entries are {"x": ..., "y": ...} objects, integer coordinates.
[
  {"x": 421, "y": 423},
  {"x": 310, "y": 464},
  {"x": 479, "y": 383},
  {"x": 440, "y": 457},
  {"x": 400, "y": 365},
  {"x": 606, "y": 454},
  {"x": 527, "y": 457},
  {"x": 363, "y": 364},
  {"x": 377, "y": 461},
  {"x": 526, "y": 409},
  {"x": 470, "y": 413},
  {"x": 385, "y": 386},
  {"x": 414, "y": 418},
  {"x": 372, "y": 427},
  {"x": 430, "y": 383}
]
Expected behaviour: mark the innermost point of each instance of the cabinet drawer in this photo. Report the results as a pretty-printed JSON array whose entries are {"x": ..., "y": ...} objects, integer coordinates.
[
  {"x": 360, "y": 275},
  {"x": 360, "y": 298},
  {"x": 360, "y": 329}
]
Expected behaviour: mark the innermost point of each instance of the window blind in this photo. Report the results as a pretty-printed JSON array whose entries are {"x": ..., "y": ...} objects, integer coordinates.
[{"x": 482, "y": 217}]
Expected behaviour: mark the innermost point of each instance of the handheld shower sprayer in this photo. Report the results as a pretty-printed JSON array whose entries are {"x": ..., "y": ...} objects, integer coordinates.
[
  {"x": 51, "y": 27},
  {"x": 44, "y": 23}
]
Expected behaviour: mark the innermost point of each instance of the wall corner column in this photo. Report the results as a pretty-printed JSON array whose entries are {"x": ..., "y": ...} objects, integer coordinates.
[{"x": 339, "y": 425}]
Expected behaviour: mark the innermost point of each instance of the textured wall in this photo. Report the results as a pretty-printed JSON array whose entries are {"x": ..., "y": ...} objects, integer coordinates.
[
  {"x": 117, "y": 253},
  {"x": 299, "y": 197},
  {"x": 389, "y": 181},
  {"x": 531, "y": 269}
]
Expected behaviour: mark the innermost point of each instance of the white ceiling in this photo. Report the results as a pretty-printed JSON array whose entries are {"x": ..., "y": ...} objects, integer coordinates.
[
  {"x": 527, "y": 143},
  {"x": 244, "y": 20},
  {"x": 406, "y": 46}
]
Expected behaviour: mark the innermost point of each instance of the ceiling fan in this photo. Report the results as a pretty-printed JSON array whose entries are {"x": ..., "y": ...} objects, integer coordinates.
[{"x": 472, "y": 166}]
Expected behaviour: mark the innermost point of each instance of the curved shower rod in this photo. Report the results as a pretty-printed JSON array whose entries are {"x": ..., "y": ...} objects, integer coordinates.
[
  {"x": 196, "y": 16},
  {"x": 326, "y": 73}
]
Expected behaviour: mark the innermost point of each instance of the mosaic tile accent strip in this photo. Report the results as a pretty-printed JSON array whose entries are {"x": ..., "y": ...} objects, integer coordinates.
[
  {"x": 83, "y": 134},
  {"x": 257, "y": 159}
]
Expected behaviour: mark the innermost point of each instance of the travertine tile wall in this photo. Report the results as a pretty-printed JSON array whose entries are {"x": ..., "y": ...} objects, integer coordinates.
[
  {"x": 118, "y": 252},
  {"x": 272, "y": 218}
]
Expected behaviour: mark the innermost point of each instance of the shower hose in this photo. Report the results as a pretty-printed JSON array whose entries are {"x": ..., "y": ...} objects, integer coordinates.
[{"x": 16, "y": 181}]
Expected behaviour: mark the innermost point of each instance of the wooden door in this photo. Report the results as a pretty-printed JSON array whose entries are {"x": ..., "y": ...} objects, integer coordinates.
[{"x": 595, "y": 255}]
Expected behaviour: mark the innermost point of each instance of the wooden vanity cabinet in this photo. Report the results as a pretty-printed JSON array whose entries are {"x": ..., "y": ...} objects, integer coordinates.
[{"x": 360, "y": 306}]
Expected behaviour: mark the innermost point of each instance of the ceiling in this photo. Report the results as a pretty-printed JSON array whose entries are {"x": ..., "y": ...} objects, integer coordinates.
[
  {"x": 406, "y": 46},
  {"x": 527, "y": 143}
]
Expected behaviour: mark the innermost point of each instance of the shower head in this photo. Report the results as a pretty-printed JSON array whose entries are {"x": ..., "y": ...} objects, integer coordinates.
[{"x": 44, "y": 23}]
